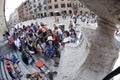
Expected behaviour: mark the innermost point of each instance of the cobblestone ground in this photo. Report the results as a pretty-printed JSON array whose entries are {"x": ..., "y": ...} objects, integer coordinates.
[{"x": 50, "y": 21}]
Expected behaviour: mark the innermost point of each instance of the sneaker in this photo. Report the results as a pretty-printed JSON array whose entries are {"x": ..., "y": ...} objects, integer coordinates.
[
  {"x": 55, "y": 72},
  {"x": 21, "y": 75},
  {"x": 17, "y": 62}
]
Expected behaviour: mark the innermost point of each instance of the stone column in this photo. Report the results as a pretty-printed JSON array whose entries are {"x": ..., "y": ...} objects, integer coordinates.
[
  {"x": 103, "y": 52},
  {"x": 101, "y": 56},
  {"x": 2, "y": 18}
]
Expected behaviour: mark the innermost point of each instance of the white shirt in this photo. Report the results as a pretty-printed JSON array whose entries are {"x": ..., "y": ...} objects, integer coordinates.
[
  {"x": 66, "y": 39},
  {"x": 42, "y": 45},
  {"x": 17, "y": 43}
]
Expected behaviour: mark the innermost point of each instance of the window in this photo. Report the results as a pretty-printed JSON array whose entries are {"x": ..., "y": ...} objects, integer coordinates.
[
  {"x": 31, "y": 12},
  {"x": 25, "y": 6},
  {"x": 39, "y": 9},
  {"x": 49, "y": 7},
  {"x": 45, "y": 8},
  {"x": 34, "y": 6},
  {"x": 55, "y": 0},
  {"x": 62, "y": 5},
  {"x": 69, "y": 5},
  {"x": 30, "y": 8},
  {"x": 35, "y": 10},
  {"x": 44, "y": 2},
  {"x": 25, "y": 3},
  {"x": 50, "y": 1},
  {"x": 34, "y": 1},
  {"x": 56, "y": 6}
]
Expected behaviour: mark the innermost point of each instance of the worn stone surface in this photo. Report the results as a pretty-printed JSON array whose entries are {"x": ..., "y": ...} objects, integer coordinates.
[
  {"x": 100, "y": 58},
  {"x": 2, "y": 19},
  {"x": 5, "y": 49},
  {"x": 72, "y": 58}
]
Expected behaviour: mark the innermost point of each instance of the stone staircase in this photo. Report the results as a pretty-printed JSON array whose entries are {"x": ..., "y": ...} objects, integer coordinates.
[
  {"x": 20, "y": 67},
  {"x": 3, "y": 74}
]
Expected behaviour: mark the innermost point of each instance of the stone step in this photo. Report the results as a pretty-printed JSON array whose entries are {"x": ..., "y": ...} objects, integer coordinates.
[
  {"x": 3, "y": 72},
  {"x": 22, "y": 68},
  {"x": 1, "y": 77},
  {"x": 29, "y": 67},
  {"x": 6, "y": 69},
  {"x": 22, "y": 65},
  {"x": 19, "y": 69}
]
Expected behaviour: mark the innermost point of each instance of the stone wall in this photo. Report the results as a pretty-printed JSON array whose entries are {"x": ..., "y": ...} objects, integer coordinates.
[{"x": 2, "y": 19}]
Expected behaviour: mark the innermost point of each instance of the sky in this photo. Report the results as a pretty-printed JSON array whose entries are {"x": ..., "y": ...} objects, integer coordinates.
[{"x": 11, "y": 5}]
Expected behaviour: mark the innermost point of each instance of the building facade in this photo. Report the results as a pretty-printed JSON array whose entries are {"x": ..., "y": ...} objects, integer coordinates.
[
  {"x": 26, "y": 11},
  {"x": 20, "y": 10},
  {"x": 65, "y": 7},
  {"x": 14, "y": 18},
  {"x": 32, "y": 9}
]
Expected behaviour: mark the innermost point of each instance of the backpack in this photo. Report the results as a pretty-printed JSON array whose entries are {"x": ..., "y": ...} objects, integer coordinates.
[{"x": 14, "y": 59}]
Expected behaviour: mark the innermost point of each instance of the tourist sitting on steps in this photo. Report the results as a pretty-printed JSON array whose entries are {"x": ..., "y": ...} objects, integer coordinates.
[
  {"x": 66, "y": 39},
  {"x": 43, "y": 68},
  {"x": 41, "y": 47},
  {"x": 51, "y": 50},
  {"x": 10, "y": 71},
  {"x": 36, "y": 76},
  {"x": 26, "y": 57},
  {"x": 73, "y": 36}
]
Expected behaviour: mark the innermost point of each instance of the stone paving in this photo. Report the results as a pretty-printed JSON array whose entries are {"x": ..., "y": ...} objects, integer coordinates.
[{"x": 50, "y": 21}]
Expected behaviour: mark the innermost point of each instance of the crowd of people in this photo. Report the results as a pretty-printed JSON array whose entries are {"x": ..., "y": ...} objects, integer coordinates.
[
  {"x": 39, "y": 39},
  {"x": 11, "y": 66},
  {"x": 86, "y": 17}
]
